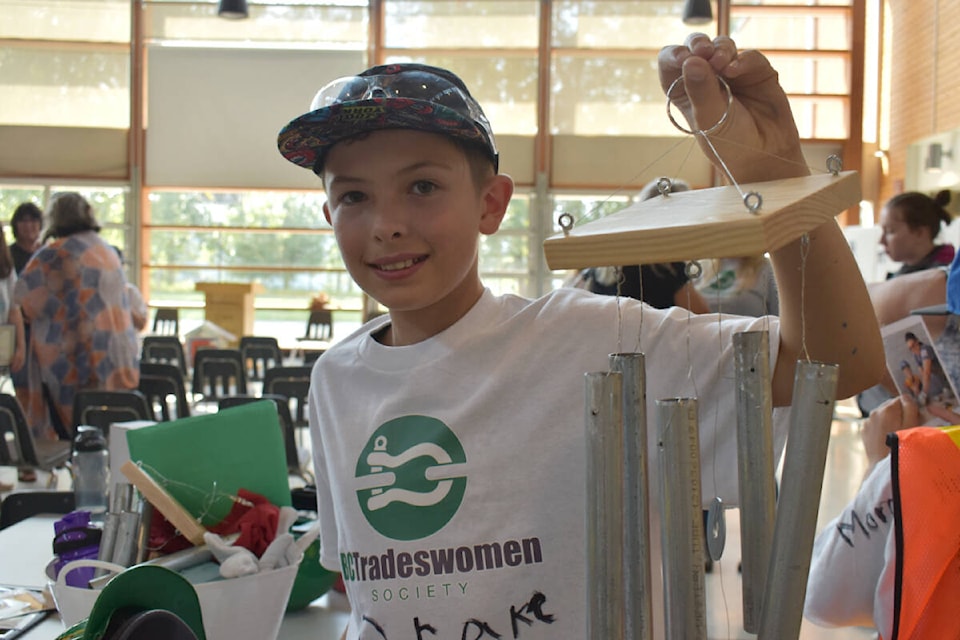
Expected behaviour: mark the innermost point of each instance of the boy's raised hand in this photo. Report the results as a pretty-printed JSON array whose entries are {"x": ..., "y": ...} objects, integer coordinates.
[
  {"x": 822, "y": 295},
  {"x": 758, "y": 131}
]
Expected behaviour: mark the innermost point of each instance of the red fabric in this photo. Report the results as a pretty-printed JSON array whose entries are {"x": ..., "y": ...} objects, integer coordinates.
[{"x": 257, "y": 525}]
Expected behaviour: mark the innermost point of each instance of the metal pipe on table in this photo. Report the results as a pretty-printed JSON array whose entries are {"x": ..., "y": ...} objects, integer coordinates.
[
  {"x": 604, "y": 511},
  {"x": 684, "y": 588},
  {"x": 125, "y": 546},
  {"x": 756, "y": 473},
  {"x": 814, "y": 393},
  {"x": 638, "y": 584}
]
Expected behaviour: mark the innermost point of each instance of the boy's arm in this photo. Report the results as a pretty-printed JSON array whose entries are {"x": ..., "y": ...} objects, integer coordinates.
[{"x": 758, "y": 141}]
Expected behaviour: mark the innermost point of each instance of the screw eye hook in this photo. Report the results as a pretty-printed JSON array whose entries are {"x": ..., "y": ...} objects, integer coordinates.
[
  {"x": 834, "y": 164},
  {"x": 566, "y": 223}
]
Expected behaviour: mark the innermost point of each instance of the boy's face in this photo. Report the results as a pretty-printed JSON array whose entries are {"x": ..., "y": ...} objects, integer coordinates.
[{"x": 407, "y": 216}]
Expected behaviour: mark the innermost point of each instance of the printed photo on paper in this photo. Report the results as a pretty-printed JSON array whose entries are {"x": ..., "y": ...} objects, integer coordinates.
[{"x": 917, "y": 369}]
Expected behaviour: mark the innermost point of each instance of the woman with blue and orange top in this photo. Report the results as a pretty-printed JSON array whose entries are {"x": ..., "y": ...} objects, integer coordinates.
[{"x": 73, "y": 291}]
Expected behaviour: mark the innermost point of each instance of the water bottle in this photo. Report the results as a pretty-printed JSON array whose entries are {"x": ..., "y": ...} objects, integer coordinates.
[{"x": 91, "y": 471}]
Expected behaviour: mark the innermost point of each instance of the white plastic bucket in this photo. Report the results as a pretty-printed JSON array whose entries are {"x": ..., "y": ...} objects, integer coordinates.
[
  {"x": 247, "y": 607},
  {"x": 74, "y": 603}
]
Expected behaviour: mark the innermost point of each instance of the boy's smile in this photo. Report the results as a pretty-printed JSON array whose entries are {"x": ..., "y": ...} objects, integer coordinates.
[{"x": 407, "y": 216}]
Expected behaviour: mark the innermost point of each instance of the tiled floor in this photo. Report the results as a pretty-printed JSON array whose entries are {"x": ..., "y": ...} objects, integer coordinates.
[{"x": 844, "y": 469}]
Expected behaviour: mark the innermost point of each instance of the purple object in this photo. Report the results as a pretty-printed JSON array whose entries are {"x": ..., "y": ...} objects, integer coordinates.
[{"x": 76, "y": 539}]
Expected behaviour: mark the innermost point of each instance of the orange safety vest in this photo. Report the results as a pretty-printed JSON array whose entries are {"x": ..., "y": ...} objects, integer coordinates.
[{"x": 926, "y": 497}]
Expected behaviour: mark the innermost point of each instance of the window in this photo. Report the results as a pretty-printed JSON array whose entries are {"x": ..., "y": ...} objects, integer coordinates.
[
  {"x": 810, "y": 43},
  {"x": 581, "y": 139},
  {"x": 604, "y": 78},
  {"x": 277, "y": 238},
  {"x": 65, "y": 63},
  {"x": 109, "y": 207}
]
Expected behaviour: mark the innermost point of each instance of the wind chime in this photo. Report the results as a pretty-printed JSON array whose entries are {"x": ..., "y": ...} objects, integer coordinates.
[{"x": 776, "y": 541}]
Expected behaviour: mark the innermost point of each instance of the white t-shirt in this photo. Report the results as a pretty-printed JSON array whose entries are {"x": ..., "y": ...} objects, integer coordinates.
[
  {"x": 451, "y": 473},
  {"x": 724, "y": 295},
  {"x": 853, "y": 566}
]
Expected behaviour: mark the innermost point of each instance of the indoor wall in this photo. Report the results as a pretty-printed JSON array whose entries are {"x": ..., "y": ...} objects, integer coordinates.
[{"x": 924, "y": 91}]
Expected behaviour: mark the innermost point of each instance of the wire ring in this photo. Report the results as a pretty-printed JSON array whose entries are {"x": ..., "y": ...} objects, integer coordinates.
[
  {"x": 566, "y": 222},
  {"x": 722, "y": 119},
  {"x": 693, "y": 270}
]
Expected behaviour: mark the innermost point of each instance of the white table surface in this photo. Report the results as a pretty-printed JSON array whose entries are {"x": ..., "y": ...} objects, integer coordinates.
[{"x": 26, "y": 548}]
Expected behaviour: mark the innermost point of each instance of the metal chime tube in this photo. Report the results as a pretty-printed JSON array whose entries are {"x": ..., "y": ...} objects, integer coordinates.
[
  {"x": 638, "y": 586},
  {"x": 684, "y": 586},
  {"x": 814, "y": 393},
  {"x": 604, "y": 513},
  {"x": 757, "y": 481}
]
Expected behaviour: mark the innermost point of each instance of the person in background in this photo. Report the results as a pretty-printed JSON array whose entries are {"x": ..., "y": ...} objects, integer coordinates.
[
  {"x": 910, "y": 224},
  {"x": 741, "y": 286},
  {"x": 855, "y": 576},
  {"x": 138, "y": 306},
  {"x": 74, "y": 294},
  {"x": 10, "y": 315},
  {"x": 661, "y": 285},
  {"x": 26, "y": 224},
  {"x": 889, "y": 560}
]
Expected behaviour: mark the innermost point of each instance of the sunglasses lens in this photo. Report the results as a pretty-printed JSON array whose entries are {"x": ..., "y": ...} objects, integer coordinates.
[
  {"x": 419, "y": 85},
  {"x": 415, "y": 85},
  {"x": 340, "y": 90}
]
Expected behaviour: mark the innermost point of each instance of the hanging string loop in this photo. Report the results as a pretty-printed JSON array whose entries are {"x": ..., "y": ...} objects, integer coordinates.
[{"x": 751, "y": 200}]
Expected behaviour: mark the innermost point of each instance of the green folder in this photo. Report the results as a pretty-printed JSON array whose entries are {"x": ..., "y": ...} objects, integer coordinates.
[{"x": 204, "y": 460}]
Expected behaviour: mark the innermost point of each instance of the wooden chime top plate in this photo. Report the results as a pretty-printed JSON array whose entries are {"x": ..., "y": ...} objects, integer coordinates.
[{"x": 705, "y": 223}]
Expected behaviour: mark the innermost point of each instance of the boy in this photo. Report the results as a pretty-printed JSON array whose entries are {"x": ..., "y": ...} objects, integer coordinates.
[{"x": 448, "y": 437}]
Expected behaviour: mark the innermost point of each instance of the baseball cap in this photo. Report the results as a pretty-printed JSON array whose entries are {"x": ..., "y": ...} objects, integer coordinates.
[
  {"x": 952, "y": 305},
  {"x": 393, "y": 96}
]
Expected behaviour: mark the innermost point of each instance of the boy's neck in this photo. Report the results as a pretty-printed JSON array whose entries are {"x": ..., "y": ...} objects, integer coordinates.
[{"x": 410, "y": 327}]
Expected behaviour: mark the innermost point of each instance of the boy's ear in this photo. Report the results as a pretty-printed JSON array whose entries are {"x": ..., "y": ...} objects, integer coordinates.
[
  {"x": 496, "y": 198},
  {"x": 326, "y": 212}
]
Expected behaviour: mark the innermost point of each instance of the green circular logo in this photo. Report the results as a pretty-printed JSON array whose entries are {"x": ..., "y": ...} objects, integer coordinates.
[{"x": 411, "y": 477}]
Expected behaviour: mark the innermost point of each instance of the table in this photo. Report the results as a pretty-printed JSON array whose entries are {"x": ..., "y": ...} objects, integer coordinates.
[{"x": 25, "y": 550}]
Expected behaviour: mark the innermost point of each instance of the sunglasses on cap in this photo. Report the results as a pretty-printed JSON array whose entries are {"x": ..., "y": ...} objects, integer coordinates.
[{"x": 411, "y": 96}]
